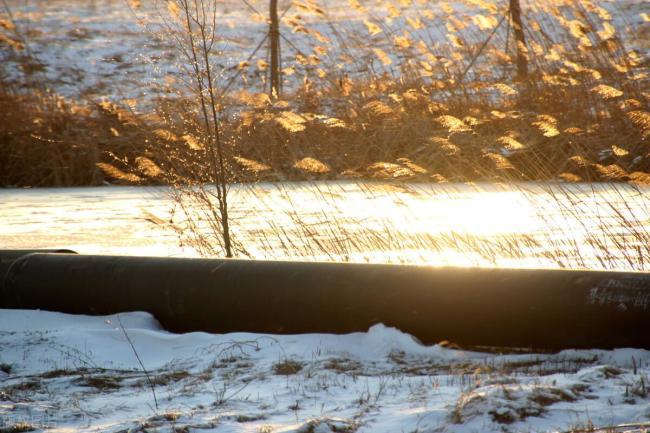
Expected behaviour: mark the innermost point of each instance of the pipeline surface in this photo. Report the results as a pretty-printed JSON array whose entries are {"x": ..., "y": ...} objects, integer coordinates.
[
  {"x": 8, "y": 257},
  {"x": 550, "y": 309}
]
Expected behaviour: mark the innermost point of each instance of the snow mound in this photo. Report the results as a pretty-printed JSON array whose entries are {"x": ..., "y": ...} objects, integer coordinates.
[{"x": 120, "y": 373}]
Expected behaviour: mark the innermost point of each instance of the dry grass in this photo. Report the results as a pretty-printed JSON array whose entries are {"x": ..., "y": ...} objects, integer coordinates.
[
  {"x": 414, "y": 109},
  {"x": 17, "y": 428},
  {"x": 46, "y": 149},
  {"x": 407, "y": 106},
  {"x": 287, "y": 367},
  {"x": 560, "y": 226}
]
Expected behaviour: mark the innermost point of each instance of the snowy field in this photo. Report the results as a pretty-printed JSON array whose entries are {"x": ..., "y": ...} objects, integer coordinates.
[
  {"x": 64, "y": 373},
  {"x": 529, "y": 225},
  {"x": 96, "y": 49}
]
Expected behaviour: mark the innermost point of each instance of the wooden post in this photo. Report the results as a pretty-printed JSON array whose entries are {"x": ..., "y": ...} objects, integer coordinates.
[
  {"x": 274, "y": 38},
  {"x": 520, "y": 39}
]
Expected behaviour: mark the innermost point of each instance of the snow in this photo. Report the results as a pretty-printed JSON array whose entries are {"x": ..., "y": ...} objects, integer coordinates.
[
  {"x": 80, "y": 373},
  {"x": 68, "y": 373},
  {"x": 64, "y": 373},
  {"x": 98, "y": 49},
  {"x": 551, "y": 225}
]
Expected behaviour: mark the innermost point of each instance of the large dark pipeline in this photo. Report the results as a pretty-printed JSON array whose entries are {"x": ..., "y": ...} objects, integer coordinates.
[
  {"x": 8, "y": 257},
  {"x": 550, "y": 309}
]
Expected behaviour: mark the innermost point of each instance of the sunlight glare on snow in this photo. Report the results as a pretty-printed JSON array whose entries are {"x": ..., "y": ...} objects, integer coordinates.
[
  {"x": 490, "y": 214},
  {"x": 527, "y": 225}
]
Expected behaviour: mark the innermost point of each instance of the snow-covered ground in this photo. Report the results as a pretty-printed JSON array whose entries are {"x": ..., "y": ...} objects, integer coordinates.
[
  {"x": 95, "y": 49},
  {"x": 526, "y": 225},
  {"x": 64, "y": 373}
]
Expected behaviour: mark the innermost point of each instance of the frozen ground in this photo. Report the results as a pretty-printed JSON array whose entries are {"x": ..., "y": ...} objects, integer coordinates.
[
  {"x": 65, "y": 373},
  {"x": 95, "y": 49},
  {"x": 526, "y": 225}
]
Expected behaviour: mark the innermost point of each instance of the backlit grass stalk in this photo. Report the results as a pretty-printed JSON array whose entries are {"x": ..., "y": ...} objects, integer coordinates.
[
  {"x": 193, "y": 26},
  {"x": 567, "y": 226}
]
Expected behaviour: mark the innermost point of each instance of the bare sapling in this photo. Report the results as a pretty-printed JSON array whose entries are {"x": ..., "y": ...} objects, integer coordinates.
[{"x": 191, "y": 26}]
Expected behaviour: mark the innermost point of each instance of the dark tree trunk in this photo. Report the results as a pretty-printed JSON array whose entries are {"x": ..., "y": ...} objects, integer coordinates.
[
  {"x": 274, "y": 37},
  {"x": 520, "y": 39}
]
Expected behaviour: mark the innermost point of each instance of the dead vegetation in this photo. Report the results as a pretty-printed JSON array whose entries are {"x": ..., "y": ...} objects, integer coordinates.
[
  {"x": 504, "y": 390},
  {"x": 512, "y": 403},
  {"x": 287, "y": 367},
  {"x": 408, "y": 108},
  {"x": 101, "y": 383},
  {"x": 17, "y": 428}
]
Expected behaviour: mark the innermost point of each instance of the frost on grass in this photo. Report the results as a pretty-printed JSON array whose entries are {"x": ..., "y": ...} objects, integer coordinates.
[{"x": 78, "y": 373}]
